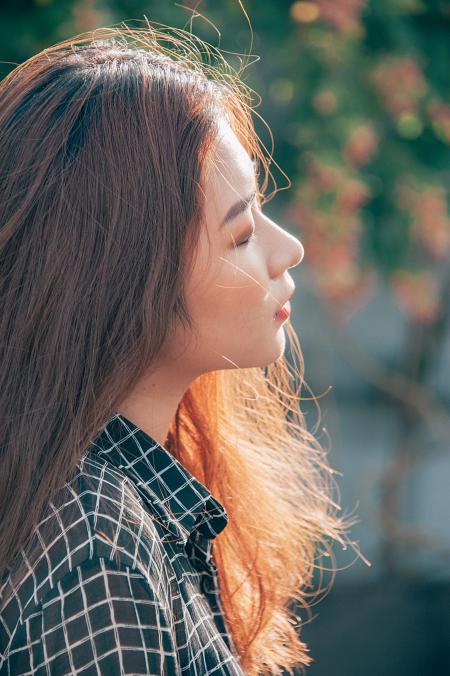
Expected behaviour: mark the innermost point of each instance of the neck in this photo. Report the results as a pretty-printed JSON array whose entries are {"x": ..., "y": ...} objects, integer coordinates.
[{"x": 153, "y": 403}]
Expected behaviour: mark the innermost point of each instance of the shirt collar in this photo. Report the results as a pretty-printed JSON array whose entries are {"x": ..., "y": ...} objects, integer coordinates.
[{"x": 184, "y": 504}]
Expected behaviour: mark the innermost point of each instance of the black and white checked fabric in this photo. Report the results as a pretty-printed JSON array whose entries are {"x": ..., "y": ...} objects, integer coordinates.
[{"x": 120, "y": 594}]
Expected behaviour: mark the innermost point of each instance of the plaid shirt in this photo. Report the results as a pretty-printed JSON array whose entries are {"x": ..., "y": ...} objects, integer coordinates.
[{"x": 111, "y": 595}]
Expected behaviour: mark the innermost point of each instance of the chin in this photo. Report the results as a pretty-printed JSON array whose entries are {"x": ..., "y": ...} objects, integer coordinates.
[
  {"x": 255, "y": 355},
  {"x": 277, "y": 350}
]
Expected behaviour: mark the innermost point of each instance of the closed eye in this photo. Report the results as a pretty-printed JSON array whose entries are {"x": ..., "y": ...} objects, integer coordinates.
[
  {"x": 252, "y": 235},
  {"x": 248, "y": 240}
]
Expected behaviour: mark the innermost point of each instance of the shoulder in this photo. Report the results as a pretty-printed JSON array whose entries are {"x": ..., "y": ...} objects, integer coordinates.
[
  {"x": 97, "y": 514},
  {"x": 101, "y": 613}
]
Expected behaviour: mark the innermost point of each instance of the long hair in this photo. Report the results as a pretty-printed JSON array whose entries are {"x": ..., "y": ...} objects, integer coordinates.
[{"x": 105, "y": 140}]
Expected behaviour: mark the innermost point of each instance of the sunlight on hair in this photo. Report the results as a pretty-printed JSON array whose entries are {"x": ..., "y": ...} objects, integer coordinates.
[{"x": 98, "y": 302}]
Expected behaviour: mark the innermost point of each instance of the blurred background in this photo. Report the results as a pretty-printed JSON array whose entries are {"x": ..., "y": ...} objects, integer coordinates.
[{"x": 357, "y": 96}]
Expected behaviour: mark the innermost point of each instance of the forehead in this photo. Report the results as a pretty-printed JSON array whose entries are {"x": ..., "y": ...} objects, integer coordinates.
[{"x": 231, "y": 174}]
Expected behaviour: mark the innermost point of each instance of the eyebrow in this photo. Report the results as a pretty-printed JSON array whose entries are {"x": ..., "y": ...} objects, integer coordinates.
[{"x": 238, "y": 208}]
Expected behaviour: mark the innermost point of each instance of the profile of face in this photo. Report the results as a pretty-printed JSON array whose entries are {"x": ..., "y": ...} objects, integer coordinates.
[{"x": 240, "y": 277}]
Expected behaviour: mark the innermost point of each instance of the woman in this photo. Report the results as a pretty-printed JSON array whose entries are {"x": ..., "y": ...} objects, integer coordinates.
[{"x": 148, "y": 411}]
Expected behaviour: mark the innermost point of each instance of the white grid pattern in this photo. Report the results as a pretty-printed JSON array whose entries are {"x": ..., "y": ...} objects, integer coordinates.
[{"x": 113, "y": 595}]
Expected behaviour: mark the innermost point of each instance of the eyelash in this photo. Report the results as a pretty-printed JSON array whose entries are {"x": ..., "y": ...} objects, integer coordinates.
[{"x": 248, "y": 240}]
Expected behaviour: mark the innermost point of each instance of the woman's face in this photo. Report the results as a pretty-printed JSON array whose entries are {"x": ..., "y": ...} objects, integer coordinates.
[{"x": 235, "y": 287}]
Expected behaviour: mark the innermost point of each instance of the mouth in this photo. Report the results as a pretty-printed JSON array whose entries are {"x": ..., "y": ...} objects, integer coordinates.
[{"x": 283, "y": 313}]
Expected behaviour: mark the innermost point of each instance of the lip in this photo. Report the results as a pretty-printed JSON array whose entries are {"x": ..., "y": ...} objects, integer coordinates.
[
  {"x": 287, "y": 304},
  {"x": 284, "y": 312}
]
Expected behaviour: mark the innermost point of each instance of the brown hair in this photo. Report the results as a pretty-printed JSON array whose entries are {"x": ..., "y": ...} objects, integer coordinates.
[{"x": 105, "y": 140}]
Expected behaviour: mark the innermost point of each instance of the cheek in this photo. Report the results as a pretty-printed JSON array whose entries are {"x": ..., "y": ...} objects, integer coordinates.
[
  {"x": 227, "y": 288},
  {"x": 233, "y": 319},
  {"x": 233, "y": 298}
]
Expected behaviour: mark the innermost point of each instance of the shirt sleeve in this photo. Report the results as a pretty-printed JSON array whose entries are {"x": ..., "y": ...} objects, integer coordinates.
[{"x": 101, "y": 618}]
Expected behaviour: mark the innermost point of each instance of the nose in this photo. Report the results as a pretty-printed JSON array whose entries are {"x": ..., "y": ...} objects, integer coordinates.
[
  {"x": 298, "y": 252},
  {"x": 285, "y": 254},
  {"x": 301, "y": 254}
]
